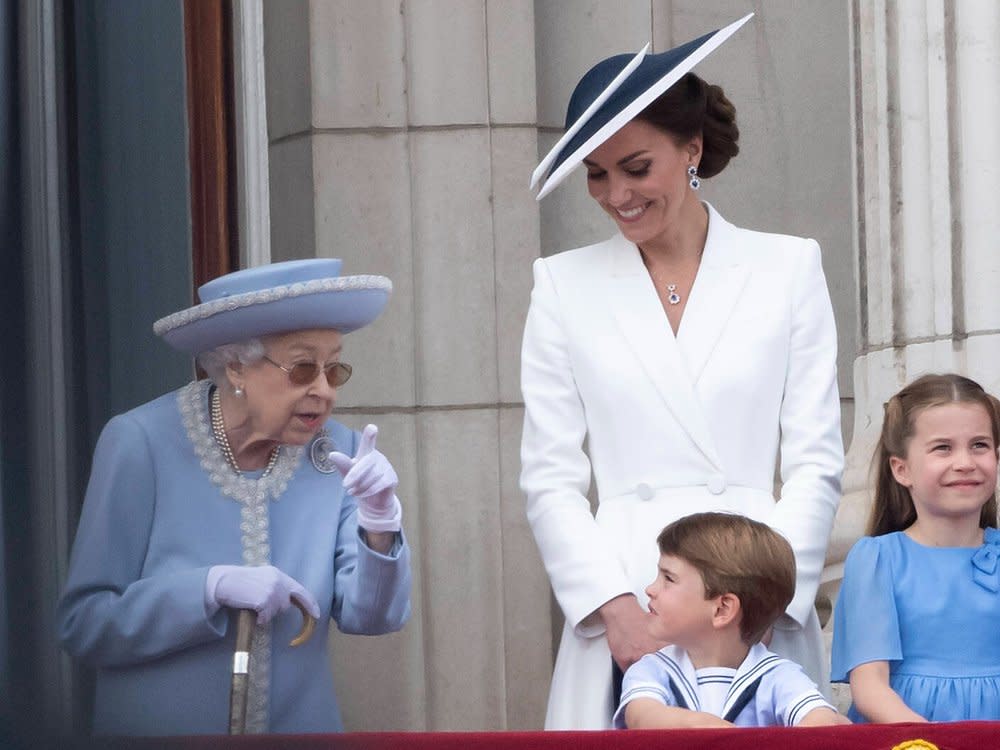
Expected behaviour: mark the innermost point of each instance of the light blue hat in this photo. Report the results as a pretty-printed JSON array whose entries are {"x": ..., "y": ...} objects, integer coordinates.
[{"x": 293, "y": 295}]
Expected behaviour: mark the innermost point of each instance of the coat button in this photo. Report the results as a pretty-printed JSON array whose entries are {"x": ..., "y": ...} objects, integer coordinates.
[
  {"x": 644, "y": 491},
  {"x": 716, "y": 484}
]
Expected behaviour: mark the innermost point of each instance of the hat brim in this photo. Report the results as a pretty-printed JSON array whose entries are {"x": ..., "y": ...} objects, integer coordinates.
[
  {"x": 579, "y": 141},
  {"x": 575, "y": 128},
  {"x": 344, "y": 303}
]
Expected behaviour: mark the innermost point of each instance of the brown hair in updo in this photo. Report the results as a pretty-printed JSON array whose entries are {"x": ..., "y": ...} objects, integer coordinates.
[{"x": 692, "y": 107}]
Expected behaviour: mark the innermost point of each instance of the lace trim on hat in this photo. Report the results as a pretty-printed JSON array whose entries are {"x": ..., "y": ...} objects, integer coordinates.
[
  {"x": 252, "y": 494},
  {"x": 316, "y": 286}
]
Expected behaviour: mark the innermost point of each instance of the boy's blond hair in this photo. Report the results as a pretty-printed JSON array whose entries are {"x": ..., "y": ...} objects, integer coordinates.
[{"x": 737, "y": 555}]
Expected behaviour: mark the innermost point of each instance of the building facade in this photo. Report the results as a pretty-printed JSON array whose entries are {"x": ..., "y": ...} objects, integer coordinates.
[{"x": 399, "y": 135}]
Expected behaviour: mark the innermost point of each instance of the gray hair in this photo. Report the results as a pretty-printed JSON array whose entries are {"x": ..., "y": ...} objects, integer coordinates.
[{"x": 214, "y": 361}]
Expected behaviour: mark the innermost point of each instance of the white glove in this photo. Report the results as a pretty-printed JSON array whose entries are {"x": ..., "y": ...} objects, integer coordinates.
[
  {"x": 370, "y": 478},
  {"x": 263, "y": 588}
]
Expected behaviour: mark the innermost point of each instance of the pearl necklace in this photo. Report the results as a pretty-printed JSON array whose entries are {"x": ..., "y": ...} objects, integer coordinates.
[{"x": 219, "y": 432}]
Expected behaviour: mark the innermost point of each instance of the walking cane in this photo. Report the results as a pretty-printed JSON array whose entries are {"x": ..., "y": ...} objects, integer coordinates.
[{"x": 246, "y": 619}]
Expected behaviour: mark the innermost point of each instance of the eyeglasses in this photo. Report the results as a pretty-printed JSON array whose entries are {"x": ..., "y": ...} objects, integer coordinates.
[{"x": 304, "y": 373}]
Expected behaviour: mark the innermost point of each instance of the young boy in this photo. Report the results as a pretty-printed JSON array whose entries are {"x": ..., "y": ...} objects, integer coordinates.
[{"x": 723, "y": 580}]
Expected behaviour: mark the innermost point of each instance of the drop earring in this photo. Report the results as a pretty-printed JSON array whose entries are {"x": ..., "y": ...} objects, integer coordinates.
[
  {"x": 693, "y": 180},
  {"x": 238, "y": 392}
]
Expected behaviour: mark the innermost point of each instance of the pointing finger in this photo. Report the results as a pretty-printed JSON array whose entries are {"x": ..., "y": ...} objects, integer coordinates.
[{"x": 367, "y": 444}]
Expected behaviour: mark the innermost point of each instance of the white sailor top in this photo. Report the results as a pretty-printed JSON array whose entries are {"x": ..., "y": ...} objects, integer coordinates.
[{"x": 764, "y": 691}]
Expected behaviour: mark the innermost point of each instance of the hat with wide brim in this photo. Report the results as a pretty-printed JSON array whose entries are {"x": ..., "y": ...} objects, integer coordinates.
[
  {"x": 293, "y": 295},
  {"x": 613, "y": 92}
]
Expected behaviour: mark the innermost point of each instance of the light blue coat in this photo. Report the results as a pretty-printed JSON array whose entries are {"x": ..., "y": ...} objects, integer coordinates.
[{"x": 153, "y": 523}]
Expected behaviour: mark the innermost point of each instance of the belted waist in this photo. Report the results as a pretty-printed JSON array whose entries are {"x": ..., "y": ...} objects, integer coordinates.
[
  {"x": 631, "y": 523},
  {"x": 714, "y": 484}
]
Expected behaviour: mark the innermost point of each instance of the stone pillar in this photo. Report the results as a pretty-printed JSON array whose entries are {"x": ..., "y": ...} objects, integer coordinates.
[
  {"x": 401, "y": 139},
  {"x": 927, "y": 97}
]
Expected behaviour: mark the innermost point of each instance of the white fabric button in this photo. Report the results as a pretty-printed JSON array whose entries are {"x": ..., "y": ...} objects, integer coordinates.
[
  {"x": 644, "y": 491},
  {"x": 716, "y": 484}
]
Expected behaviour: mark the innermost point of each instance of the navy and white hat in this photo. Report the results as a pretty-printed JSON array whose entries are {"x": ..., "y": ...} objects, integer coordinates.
[
  {"x": 293, "y": 295},
  {"x": 613, "y": 92}
]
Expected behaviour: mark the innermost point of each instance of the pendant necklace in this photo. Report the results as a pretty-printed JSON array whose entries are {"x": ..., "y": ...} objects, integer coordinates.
[{"x": 673, "y": 296}]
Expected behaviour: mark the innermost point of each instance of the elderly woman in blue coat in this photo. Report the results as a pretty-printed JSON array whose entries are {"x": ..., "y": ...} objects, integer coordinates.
[{"x": 238, "y": 492}]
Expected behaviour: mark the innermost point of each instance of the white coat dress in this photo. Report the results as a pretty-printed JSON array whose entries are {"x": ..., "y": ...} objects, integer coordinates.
[{"x": 673, "y": 426}]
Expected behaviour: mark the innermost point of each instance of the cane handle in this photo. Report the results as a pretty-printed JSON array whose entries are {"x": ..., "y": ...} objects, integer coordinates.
[{"x": 308, "y": 624}]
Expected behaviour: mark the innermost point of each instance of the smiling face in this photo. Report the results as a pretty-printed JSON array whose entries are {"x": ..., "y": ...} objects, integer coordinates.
[
  {"x": 682, "y": 614},
  {"x": 277, "y": 409},
  {"x": 639, "y": 177},
  {"x": 950, "y": 467}
]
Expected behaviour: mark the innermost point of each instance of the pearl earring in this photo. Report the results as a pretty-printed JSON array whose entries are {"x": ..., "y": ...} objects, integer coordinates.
[{"x": 238, "y": 392}]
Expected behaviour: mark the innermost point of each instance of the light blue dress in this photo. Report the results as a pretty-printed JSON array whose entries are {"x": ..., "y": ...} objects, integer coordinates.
[
  {"x": 933, "y": 614},
  {"x": 162, "y": 506}
]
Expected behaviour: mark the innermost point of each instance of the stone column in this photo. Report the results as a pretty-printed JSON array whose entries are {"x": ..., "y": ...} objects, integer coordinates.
[
  {"x": 401, "y": 139},
  {"x": 927, "y": 160}
]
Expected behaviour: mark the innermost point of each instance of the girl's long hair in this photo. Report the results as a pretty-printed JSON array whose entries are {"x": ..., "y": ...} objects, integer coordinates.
[{"x": 893, "y": 508}]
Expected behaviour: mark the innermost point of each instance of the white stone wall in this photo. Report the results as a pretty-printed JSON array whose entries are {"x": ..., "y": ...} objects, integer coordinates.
[
  {"x": 404, "y": 147},
  {"x": 402, "y": 135},
  {"x": 927, "y": 83}
]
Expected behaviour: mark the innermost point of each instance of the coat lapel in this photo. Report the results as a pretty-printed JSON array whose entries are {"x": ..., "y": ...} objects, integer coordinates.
[
  {"x": 717, "y": 288},
  {"x": 683, "y": 678},
  {"x": 759, "y": 662},
  {"x": 647, "y": 332}
]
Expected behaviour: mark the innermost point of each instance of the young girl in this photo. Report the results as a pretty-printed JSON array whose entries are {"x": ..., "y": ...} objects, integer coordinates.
[{"x": 916, "y": 624}]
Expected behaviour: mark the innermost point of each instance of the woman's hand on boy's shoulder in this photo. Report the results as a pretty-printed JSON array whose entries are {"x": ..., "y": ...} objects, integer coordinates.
[{"x": 627, "y": 630}]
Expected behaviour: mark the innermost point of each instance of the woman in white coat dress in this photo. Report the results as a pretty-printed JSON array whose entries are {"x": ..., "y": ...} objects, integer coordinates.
[{"x": 686, "y": 352}]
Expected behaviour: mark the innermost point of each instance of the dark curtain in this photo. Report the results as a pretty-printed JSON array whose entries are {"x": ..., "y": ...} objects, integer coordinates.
[
  {"x": 10, "y": 291},
  {"x": 96, "y": 225}
]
